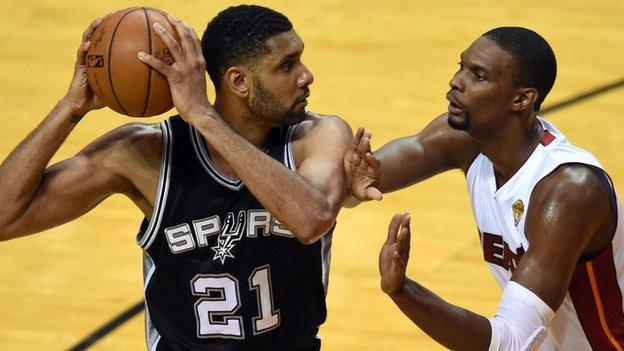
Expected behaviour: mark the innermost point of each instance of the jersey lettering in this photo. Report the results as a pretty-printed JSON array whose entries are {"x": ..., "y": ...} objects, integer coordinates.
[
  {"x": 497, "y": 251},
  {"x": 251, "y": 223},
  {"x": 180, "y": 238}
]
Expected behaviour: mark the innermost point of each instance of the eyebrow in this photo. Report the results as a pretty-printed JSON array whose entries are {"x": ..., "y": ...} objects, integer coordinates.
[
  {"x": 285, "y": 58},
  {"x": 472, "y": 66}
]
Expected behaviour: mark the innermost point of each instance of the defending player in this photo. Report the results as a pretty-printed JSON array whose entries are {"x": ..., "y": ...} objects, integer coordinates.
[
  {"x": 547, "y": 213},
  {"x": 240, "y": 198}
]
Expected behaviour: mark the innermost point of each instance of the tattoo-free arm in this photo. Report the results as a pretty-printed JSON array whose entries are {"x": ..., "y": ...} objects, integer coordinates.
[
  {"x": 307, "y": 201},
  {"x": 436, "y": 149},
  {"x": 559, "y": 229},
  {"x": 34, "y": 199}
]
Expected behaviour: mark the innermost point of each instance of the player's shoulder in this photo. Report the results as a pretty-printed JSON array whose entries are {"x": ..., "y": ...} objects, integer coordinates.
[
  {"x": 125, "y": 146},
  {"x": 320, "y": 125},
  {"x": 579, "y": 201},
  {"x": 573, "y": 192},
  {"x": 130, "y": 135},
  {"x": 575, "y": 183}
]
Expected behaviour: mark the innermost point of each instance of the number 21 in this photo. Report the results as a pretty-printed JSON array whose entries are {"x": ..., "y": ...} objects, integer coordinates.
[{"x": 228, "y": 302}]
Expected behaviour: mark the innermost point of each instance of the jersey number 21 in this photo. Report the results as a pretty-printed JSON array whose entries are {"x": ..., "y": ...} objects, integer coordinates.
[{"x": 228, "y": 302}]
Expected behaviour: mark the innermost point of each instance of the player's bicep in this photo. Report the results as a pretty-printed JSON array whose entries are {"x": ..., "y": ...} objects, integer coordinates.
[
  {"x": 559, "y": 228},
  {"x": 437, "y": 148},
  {"x": 67, "y": 190}
]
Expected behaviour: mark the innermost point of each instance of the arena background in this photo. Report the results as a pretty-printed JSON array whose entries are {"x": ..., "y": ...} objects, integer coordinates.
[{"x": 384, "y": 65}]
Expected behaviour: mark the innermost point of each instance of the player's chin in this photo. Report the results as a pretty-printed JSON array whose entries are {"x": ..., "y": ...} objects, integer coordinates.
[
  {"x": 297, "y": 113},
  {"x": 458, "y": 121}
]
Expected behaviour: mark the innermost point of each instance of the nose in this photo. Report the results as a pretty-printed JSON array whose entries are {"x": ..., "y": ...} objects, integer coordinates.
[
  {"x": 305, "y": 78},
  {"x": 456, "y": 82}
]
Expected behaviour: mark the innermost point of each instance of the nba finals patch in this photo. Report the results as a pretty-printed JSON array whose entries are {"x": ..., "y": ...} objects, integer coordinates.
[{"x": 518, "y": 210}]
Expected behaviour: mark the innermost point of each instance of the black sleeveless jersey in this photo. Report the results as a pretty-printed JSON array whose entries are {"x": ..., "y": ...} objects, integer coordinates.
[{"x": 221, "y": 273}]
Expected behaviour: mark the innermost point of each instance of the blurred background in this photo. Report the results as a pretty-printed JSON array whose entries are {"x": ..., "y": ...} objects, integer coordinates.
[{"x": 384, "y": 65}]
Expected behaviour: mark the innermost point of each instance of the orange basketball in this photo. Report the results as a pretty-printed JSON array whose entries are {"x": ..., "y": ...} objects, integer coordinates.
[{"x": 114, "y": 71}]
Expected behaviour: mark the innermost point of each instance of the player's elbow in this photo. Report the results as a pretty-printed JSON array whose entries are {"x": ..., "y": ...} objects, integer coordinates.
[{"x": 316, "y": 227}]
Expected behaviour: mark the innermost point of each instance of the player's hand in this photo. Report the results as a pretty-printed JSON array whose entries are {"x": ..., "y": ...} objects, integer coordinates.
[
  {"x": 395, "y": 254},
  {"x": 80, "y": 98},
  {"x": 362, "y": 169},
  {"x": 187, "y": 76}
]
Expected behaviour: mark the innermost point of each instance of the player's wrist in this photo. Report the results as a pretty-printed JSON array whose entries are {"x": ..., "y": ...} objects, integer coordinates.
[
  {"x": 397, "y": 289},
  {"x": 68, "y": 108}
]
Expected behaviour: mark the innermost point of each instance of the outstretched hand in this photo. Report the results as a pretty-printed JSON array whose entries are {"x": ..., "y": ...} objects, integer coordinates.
[
  {"x": 80, "y": 98},
  {"x": 362, "y": 169},
  {"x": 395, "y": 254},
  {"x": 187, "y": 76}
]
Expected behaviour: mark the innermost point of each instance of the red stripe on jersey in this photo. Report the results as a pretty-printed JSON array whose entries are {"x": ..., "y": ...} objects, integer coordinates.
[
  {"x": 547, "y": 138},
  {"x": 597, "y": 299}
]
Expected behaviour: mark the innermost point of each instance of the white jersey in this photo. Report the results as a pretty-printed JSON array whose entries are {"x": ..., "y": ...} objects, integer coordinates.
[{"x": 591, "y": 317}]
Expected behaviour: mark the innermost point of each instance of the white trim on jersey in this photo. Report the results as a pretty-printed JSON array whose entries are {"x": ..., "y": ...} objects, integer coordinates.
[
  {"x": 206, "y": 162},
  {"x": 289, "y": 157},
  {"x": 152, "y": 337},
  {"x": 326, "y": 243},
  {"x": 163, "y": 187}
]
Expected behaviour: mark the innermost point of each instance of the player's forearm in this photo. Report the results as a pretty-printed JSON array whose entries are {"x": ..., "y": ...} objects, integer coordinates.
[
  {"x": 21, "y": 172},
  {"x": 292, "y": 199},
  {"x": 454, "y": 327}
]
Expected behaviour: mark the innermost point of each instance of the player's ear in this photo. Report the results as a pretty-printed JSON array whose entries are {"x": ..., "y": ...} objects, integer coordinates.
[
  {"x": 238, "y": 80},
  {"x": 525, "y": 98}
]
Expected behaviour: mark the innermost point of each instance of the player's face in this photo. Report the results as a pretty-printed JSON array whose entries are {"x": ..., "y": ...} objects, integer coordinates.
[
  {"x": 482, "y": 90},
  {"x": 281, "y": 81}
]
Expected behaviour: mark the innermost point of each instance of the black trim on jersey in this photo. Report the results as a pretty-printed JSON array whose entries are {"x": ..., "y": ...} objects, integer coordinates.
[{"x": 163, "y": 187}]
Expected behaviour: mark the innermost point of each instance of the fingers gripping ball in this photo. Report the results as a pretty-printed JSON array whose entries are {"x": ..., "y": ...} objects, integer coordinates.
[{"x": 114, "y": 72}]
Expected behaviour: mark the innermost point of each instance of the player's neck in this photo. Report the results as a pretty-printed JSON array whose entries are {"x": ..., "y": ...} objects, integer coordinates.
[
  {"x": 511, "y": 148},
  {"x": 245, "y": 124}
]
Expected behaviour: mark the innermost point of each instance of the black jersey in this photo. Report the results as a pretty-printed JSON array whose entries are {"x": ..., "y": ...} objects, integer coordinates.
[{"x": 220, "y": 272}]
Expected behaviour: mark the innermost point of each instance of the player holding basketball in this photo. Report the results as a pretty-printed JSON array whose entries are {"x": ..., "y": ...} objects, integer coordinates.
[
  {"x": 240, "y": 197},
  {"x": 547, "y": 213}
]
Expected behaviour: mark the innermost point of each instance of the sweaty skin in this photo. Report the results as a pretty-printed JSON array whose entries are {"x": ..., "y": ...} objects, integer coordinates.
[{"x": 489, "y": 115}]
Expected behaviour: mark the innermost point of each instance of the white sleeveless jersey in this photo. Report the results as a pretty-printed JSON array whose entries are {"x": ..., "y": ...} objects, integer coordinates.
[{"x": 591, "y": 317}]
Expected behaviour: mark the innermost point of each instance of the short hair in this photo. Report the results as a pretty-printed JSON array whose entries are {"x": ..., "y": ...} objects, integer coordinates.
[
  {"x": 535, "y": 64},
  {"x": 237, "y": 35}
]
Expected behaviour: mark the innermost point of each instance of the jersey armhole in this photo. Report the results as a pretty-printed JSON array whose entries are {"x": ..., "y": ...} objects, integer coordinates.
[
  {"x": 289, "y": 156},
  {"x": 147, "y": 237}
]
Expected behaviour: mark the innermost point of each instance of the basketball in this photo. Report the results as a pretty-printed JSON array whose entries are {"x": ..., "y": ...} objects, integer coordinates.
[{"x": 114, "y": 72}]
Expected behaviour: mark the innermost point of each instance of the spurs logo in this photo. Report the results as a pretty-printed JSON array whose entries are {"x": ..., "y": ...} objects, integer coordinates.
[{"x": 233, "y": 230}]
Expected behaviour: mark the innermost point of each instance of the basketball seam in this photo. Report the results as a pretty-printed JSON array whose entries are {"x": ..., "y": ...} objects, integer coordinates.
[
  {"x": 110, "y": 49},
  {"x": 149, "y": 69}
]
